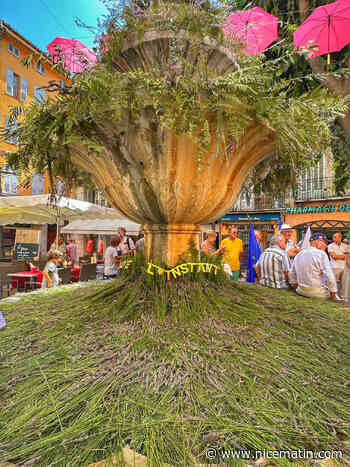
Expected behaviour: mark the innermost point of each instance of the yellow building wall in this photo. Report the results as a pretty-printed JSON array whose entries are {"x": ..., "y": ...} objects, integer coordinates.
[{"x": 7, "y": 60}]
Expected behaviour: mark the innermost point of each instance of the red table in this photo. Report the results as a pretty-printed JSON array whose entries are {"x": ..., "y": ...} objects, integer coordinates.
[
  {"x": 18, "y": 281},
  {"x": 75, "y": 274}
]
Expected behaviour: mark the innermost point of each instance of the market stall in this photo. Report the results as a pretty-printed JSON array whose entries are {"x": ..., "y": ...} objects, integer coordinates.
[
  {"x": 93, "y": 235},
  {"x": 32, "y": 217}
]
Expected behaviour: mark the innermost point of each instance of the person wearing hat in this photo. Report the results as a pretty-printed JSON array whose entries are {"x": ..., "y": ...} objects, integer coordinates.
[
  {"x": 311, "y": 272},
  {"x": 291, "y": 248},
  {"x": 336, "y": 251}
]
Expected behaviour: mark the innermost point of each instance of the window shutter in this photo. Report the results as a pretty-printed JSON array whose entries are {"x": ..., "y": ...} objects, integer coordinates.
[
  {"x": 9, "y": 81},
  {"x": 15, "y": 85},
  {"x": 13, "y": 50},
  {"x": 24, "y": 89},
  {"x": 39, "y": 94}
]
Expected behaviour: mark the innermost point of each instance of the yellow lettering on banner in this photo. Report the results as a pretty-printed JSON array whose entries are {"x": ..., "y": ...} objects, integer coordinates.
[
  {"x": 184, "y": 268},
  {"x": 176, "y": 272},
  {"x": 160, "y": 270},
  {"x": 149, "y": 269},
  {"x": 181, "y": 269}
]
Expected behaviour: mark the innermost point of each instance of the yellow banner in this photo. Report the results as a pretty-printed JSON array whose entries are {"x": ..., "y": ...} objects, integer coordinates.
[{"x": 182, "y": 269}]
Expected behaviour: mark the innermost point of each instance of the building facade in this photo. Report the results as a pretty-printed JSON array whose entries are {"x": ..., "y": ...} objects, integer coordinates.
[
  {"x": 19, "y": 85},
  {"x": 313, "y": 203}
]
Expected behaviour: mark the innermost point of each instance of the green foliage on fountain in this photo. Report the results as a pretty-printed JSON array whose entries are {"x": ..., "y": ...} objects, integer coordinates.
[{"x": 189, "y": 96}]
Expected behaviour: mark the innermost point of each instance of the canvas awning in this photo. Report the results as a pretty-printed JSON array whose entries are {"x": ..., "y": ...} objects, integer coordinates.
[
  {"x": 108, "y": 226},
  {"x": 101, "y": 227},
  {"x": 37, "y": 210}
]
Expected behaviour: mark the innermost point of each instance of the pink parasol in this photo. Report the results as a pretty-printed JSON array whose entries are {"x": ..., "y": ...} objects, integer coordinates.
[
  {"x": 256, "y": 28},
  {"x": 76, "y": 57},
  {"x": 328, "y": 28}
]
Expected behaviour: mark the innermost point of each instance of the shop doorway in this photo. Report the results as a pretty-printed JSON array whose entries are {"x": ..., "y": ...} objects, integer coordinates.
[{"x": 324, "y": 226}]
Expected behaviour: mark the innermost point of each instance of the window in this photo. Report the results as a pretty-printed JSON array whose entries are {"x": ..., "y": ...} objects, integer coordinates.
[
  {"x": 10, "y": 136},
  {"x": 10, "y": 181},
  {"x": 40, "y": 68},
  {"x": 13, "y": 50},
  {"x": 11, "y": 83},
  {"x": 39, "y": 94},
  {"x": 37, "y": 184},
  {"x": 24, "y": 89},
  {"x": 312, "y": 183}
]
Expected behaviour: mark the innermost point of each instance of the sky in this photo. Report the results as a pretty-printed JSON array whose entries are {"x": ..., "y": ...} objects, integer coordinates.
[{"x": 40, "y": 21}]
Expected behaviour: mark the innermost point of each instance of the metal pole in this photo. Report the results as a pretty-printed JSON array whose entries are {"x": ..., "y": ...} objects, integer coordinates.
[{"x": 1, "y": 227}]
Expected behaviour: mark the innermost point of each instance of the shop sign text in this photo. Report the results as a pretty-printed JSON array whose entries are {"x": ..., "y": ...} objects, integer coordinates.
[{"x": 319, "y": 208}]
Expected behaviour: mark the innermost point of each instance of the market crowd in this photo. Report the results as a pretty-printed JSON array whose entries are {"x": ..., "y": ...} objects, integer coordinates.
[
  {"x": 319, "y": 270},
  {"x": 65, "y": 254}
]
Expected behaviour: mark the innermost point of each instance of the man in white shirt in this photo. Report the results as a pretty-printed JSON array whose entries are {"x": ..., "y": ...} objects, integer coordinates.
[
  {"x": 336, "y": 251},
  {"x": 311, "y": 273},
  {"x": 111, "y": 269},
  {"x": 291, "y": 248}
]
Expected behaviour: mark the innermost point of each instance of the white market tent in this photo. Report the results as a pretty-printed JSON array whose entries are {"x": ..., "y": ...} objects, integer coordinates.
[
  {"x": 100, "y": 227},
  {"x": 84, "y": 217},
  {"x": 38, "y": 210}
]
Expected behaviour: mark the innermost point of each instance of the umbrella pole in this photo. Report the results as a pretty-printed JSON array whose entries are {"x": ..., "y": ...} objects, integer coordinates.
[
  {"x": 57, "y": 229},
  {"x": 329, "y": 29},
  {"x": 58, "y": 220}
]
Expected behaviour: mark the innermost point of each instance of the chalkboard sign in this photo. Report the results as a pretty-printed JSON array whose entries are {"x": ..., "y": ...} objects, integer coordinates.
[{"x": 26, "y": 251}]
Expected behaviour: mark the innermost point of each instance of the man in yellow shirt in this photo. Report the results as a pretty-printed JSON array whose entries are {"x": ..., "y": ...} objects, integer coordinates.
[{"x": 232, "y": 251}]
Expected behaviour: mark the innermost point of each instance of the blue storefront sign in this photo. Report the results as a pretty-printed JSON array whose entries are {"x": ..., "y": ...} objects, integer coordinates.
[{"x": 251, "y": 217}]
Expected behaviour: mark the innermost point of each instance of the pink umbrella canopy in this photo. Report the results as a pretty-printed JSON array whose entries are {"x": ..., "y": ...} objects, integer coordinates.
[
  {"x": 256, "y": 28},
  {"x": 327, "y": 28},
  {"x": 75, "y": 56}
]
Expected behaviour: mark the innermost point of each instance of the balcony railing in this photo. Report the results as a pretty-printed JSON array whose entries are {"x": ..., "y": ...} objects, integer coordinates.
[
  {"x": 262, "y": 202},
  {"x": 311, "y": 189},
  {"x": 315, "y": 188}
]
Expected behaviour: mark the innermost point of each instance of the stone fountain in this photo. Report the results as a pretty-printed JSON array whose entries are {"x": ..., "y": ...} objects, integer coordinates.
[{"x": 151, "y": 175}]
